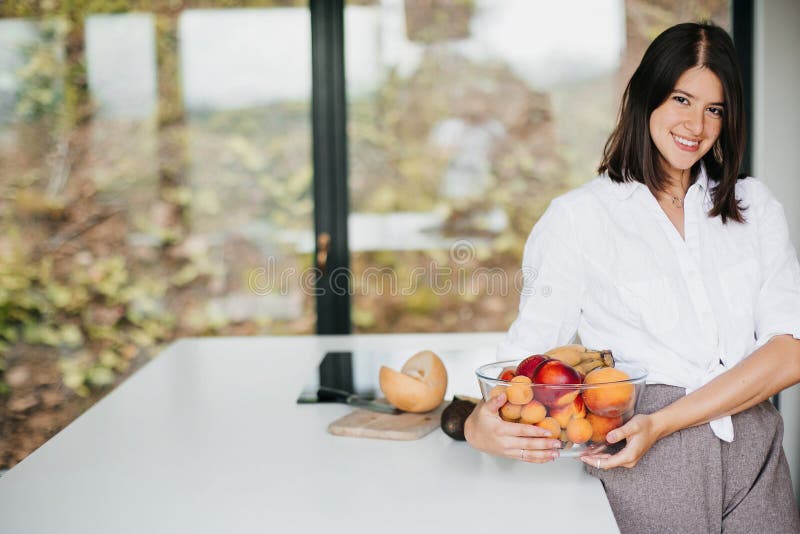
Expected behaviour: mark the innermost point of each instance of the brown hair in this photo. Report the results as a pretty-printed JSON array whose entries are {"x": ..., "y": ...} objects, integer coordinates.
[{"x": 631, "y": 155}]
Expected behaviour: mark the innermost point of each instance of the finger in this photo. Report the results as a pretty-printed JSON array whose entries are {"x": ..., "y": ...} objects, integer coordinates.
[
  {"x": 623, "y": 432},
  {"x": 533, "y": 457},
  {"x": 598, "y": 461},
  {"x": 519, "y": 429},
  {"x": 532, "y": 443},
  {"x": 592, "y": 458},
  {"x": 495, "y": 403},
  {"x": 621, "y": 458}
]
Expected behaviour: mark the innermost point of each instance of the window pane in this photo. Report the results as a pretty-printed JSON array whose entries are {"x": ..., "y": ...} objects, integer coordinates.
[
  {"x": 465, "y": 120},
  {"x": 155, "y": 171}
]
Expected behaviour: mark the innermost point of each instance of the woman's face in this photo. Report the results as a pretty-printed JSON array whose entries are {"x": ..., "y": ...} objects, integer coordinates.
[{"x": 687, "y": 124}]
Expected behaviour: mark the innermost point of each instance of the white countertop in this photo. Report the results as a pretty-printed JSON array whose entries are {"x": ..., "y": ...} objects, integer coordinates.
[{"x": 208, "y": 438}]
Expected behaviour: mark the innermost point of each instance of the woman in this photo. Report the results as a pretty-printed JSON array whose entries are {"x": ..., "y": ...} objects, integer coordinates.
[{"x": 679, "y": 266}]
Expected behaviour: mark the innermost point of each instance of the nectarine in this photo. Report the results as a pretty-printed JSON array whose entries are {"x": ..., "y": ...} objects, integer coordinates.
[
  {"x": 555, "y": 373},
  {"x": 527, "y": 366}
]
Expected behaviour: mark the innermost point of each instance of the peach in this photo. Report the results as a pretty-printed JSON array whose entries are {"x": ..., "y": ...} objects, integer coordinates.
[
  {"x": 602, "y": 426},
  {"x": 579, "y": 430},
  {"x": 551, "y": 425},
  {"x": 510, "y": 412},
  {"x": 533, "y": 412},
  {"x": 610, "y": 399}
]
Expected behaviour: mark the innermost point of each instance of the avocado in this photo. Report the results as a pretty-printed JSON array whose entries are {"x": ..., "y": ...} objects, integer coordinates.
[{"x": 455, "y": 415}]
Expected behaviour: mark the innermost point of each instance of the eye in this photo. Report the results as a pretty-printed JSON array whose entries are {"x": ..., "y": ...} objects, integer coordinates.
[
  {"x": 717, "y": 112},
  {"x": 680, "y": 99}
]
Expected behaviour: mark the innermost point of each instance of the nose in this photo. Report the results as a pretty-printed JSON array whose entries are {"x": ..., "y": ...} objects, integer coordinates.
[{"x": 694, "y": 122}]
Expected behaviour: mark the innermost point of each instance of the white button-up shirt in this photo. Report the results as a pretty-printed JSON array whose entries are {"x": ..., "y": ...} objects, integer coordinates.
[{"x": 605, "y": 262}]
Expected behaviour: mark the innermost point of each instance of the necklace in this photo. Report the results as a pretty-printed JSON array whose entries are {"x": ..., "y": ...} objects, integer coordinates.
[{"x": 677, "y": 202}]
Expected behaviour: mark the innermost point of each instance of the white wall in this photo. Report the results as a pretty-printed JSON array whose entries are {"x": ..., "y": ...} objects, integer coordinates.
[{"x": 776, "y": 150}]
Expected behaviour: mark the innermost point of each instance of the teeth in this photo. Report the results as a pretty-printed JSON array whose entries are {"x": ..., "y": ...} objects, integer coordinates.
[{"x": 683, "y": 141}]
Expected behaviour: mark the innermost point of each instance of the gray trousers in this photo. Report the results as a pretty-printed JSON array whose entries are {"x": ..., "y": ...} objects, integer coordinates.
[{"x": 691, "y": 481}]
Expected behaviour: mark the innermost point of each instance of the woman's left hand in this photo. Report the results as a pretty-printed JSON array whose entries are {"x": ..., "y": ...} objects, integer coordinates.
[{"x": 640, "y": 432}]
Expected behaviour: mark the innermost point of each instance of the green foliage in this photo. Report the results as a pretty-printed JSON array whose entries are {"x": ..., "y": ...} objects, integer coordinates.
[
  {"x": 90, "y": 313},
  {"x": 41, "y": 91}
]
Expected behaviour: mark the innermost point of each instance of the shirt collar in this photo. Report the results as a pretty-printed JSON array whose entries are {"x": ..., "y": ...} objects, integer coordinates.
[
  {"x": 702, "y": 183},
  {"x": 625, "y": 189},
  {"x": 702, "y": 178}
]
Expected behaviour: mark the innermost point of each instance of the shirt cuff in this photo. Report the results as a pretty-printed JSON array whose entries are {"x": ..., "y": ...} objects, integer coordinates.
[
  {"x": 782, "y": 330},
  {"x": 723, "y": 426}
]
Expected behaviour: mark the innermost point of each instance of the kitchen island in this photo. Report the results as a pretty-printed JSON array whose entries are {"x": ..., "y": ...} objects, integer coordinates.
[{"x": 208, "y": 437}]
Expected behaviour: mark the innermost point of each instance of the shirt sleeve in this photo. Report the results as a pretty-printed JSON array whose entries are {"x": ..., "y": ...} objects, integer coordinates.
[
  {"x": 778, "y": 302},
  {"x": 551, "y": 289}
]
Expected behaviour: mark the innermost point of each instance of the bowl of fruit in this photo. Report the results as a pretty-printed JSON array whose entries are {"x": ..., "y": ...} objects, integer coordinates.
[{"x": 578, "y": 394}]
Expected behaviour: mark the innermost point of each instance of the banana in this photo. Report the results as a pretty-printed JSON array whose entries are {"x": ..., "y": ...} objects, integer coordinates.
[
  {"x": 579, "y": 356},
  {"x": 589, "y": 365},
  {"x": 569, "y": 354}
]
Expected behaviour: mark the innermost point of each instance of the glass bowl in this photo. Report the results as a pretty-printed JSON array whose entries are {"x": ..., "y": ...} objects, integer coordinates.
[{"x": 602, "y": 406}]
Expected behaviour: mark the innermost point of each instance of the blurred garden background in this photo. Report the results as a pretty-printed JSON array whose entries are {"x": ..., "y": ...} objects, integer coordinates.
[{"x": 156, "y": 154}]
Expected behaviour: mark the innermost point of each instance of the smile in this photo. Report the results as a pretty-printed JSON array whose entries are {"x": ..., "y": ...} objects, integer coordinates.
[{"x": 685, "y": 144}]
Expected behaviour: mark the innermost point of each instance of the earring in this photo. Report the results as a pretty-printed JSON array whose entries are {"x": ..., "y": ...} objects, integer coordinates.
[{"x": 717, "y": 150}]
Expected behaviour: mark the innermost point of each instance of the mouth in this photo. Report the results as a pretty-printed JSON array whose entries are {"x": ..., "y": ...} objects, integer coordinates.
[{"x": 685, "y": 144}]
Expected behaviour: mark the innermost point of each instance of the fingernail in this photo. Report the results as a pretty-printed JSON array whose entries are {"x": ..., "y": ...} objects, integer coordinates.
[
  {"x": 556, "y": 444},
  {"x": 611, "y": 437},
  {"x": 554, "y": 456}
]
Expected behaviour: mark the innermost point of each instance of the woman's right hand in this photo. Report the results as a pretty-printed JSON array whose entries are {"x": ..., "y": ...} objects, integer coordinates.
[{"x": 486, "y": 431}]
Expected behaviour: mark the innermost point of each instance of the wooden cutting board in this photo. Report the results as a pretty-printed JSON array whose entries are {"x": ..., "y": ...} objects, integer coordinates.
[{"x": 405, "y": 426}]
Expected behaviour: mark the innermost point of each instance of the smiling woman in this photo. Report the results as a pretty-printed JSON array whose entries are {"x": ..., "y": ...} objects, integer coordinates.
[{"x": 657, "y": 232}]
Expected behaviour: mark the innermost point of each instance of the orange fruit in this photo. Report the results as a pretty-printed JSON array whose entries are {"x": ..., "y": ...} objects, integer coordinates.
[
  {"x": 579, "y": 430},
  {"x": 520, "y": 391},
  {"x": 533, "y": 412},
  {"x": 551, "y": 425},
  {"x": 602, "y": 426},
  {"x": 611, "y": 397},
  {"x": 510, "y": 412}
]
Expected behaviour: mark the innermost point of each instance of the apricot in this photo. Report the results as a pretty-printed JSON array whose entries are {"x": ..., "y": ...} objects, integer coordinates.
[
  {"x": 533, "y": 412},
  {"x": 602, "y": 426},
  {"x": 562, "y": 414},
  {"x": 520, "y": 391},
  {"x": 579, "y": 430},
  {"x": 510, "y": 412},
  {"x": 610, "y": 399},
  {"x": 551, "y": 425},
  {"x": 497, "y": 390}
]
